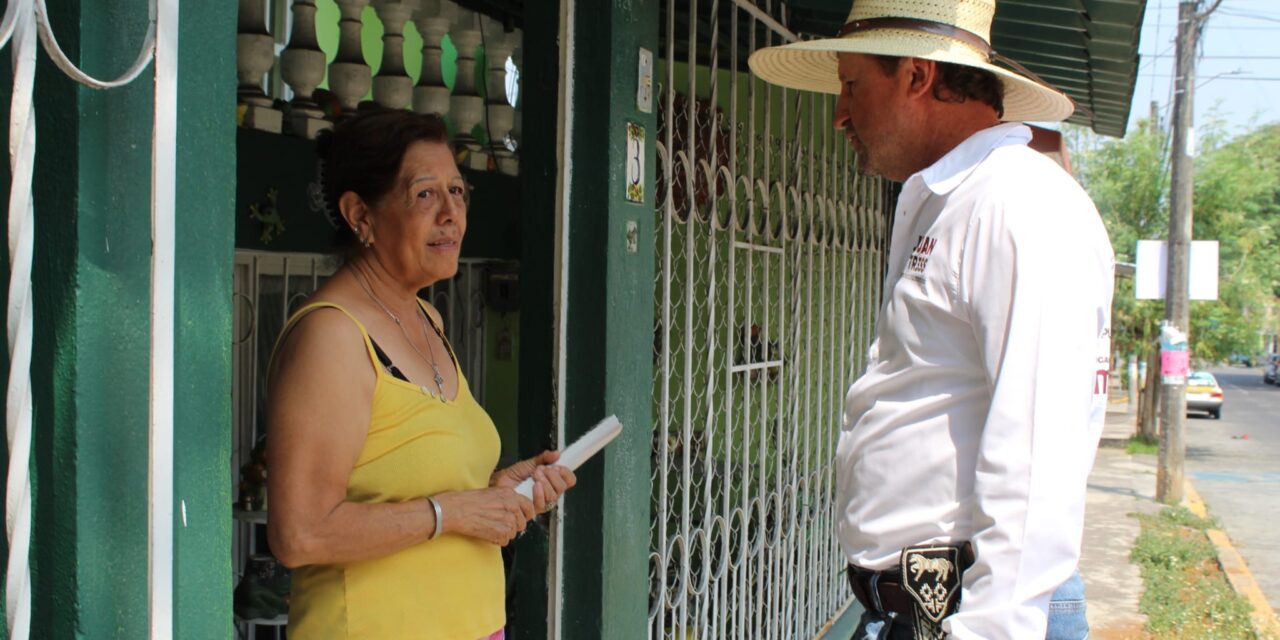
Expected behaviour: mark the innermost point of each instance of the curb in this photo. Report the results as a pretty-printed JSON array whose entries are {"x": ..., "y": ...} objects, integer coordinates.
[
  {"x": 1263, "y": 617},
  {"x": 1113, "y": 443}
]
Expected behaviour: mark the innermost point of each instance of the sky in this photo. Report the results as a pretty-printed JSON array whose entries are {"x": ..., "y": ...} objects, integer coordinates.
[{"x": 1238, "y": 73}]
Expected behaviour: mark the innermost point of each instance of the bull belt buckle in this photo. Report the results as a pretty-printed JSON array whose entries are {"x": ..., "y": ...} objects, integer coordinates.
[{"x": 931, "y": 574}]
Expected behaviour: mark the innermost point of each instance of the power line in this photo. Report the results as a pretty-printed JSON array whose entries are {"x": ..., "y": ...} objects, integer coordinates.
[
  {"x": 1250, "y": 16},
  {"x": 1163, "y": 55},
  {"x": 1152, "y": 97},
  {"x": 1236, "y": 78}
]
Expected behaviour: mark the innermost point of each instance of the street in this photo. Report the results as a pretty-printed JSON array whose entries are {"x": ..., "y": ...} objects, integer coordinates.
[{"x": 1234, "y": 464}]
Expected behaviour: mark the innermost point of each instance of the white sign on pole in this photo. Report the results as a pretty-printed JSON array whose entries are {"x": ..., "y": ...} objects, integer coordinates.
[{"x": 1153, "y": 268}]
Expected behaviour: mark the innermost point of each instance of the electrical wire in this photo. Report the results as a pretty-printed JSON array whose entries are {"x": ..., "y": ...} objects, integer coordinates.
[{"x": 484, "y": 75}]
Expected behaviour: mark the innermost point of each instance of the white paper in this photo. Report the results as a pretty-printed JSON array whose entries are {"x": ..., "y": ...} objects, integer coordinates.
[
  {"x": 581, "y": 450},
  {"x": 1152, "y": 268}
]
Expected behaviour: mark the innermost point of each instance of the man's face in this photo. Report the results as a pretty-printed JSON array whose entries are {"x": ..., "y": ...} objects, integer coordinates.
[{"x": 870, "y": 111}]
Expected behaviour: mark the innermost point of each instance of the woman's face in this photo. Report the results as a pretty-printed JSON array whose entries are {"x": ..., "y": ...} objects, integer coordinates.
[{"x": 418, "y": 225}]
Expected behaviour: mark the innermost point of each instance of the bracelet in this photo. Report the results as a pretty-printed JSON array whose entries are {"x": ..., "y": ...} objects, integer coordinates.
[{"x": 435, "y": 506}]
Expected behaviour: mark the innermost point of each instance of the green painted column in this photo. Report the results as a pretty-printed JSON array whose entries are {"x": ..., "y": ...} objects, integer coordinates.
[
  {"x": 609, "y": 328},
  {"x": 539, "y": 97},
  {"x": 90, "y": 369},
  {"x": 89, "y": 366},
  {"x": 609, "y": 332},
  {"x": 202, "y": 377}
]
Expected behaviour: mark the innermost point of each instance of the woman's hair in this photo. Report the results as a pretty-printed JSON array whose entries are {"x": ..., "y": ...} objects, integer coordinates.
[{"x": 363, "y": 154}]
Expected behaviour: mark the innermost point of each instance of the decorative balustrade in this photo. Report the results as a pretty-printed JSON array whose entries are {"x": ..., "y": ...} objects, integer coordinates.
[
  {"x": 322, "y": 86},
  {"x": 393, "y": 88},
  {"x": 433, "y": 20},
  {"x": 302, "y": 67},
  {"x": 255, "y": 55},
  {"x": 349, "y": 75},
  {"x": 466, "y": 106},
  {"x": 499, "y": 113}
]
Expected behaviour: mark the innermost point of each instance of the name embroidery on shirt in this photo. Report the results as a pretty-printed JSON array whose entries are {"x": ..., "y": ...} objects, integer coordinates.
[
  {"x": 1102, "y": 377},
  {"x": 920, "y": 257}
]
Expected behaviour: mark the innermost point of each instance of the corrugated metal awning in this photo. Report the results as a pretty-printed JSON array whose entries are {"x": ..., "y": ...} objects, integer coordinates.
[{"x": 1087, "y": 48}]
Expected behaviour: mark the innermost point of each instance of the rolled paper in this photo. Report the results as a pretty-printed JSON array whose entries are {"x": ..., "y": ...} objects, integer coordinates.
[{"x": 581, "y": 450}]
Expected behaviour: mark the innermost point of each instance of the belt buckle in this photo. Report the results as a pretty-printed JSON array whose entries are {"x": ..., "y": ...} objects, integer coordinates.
[{"x": 931, "y": 576}]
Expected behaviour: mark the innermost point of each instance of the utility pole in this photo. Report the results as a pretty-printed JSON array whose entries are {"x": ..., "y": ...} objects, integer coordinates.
[{"x": 1173, "y": 397}]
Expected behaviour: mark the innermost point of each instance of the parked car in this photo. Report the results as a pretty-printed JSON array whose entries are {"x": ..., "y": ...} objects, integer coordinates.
[
  {"x": 1204, "y": 394},
  {"x": 1269, "y": 369},
  {"x": 1244, "y": 359}
]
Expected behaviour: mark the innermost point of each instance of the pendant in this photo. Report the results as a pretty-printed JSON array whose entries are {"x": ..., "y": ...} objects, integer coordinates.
[{"x": 439, "y": 379}]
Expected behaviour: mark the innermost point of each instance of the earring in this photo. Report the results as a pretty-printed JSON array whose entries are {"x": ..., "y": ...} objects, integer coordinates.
[{"x": 363, "y": 239}]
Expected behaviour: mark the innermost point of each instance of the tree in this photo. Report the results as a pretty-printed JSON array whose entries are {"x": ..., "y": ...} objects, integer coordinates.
[
  {"x": 1128, "y": 180},
  {"x": 1237, "y": 199},
  {"x": 1237, "y": 186}
]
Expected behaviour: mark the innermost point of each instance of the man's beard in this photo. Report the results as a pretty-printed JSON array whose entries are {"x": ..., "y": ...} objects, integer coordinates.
[{"x": 862, "y": 161}]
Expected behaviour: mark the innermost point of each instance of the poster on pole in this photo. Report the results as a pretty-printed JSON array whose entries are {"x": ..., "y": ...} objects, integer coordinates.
[
  {"x": 1152, "y": 268},
  {"x": 1175, "y": 359}
]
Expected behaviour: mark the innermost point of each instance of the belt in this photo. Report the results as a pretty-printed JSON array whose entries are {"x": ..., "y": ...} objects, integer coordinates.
[
  {"x": 879, "y": 591},
  {"x": 884, "y": 592}
]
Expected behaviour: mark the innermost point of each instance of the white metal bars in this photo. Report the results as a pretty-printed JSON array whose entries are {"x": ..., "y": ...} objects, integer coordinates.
[
  {"x": 25, "y": 21},
  {"x": 770, "y": 261}
]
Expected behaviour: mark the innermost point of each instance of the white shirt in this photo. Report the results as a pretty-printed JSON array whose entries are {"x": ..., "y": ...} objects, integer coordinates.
[{"x": 980, "y": 412}]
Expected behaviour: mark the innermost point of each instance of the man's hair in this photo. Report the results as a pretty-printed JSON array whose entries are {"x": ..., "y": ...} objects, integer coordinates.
[{"x": 958, "y": 83}]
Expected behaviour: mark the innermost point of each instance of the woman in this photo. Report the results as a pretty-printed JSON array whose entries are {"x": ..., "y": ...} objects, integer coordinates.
[{"x": 382, "y": 486}]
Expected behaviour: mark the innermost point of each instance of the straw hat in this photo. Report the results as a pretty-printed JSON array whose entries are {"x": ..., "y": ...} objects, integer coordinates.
[{"x": 956, "y": 31}]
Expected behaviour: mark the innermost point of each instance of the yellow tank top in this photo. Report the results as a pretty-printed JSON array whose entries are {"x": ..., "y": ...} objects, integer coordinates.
[{"x": 448, "y": 588}]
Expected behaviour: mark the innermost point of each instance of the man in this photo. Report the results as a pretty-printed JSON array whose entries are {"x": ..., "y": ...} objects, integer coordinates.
[{"x": 967, "y": 443}]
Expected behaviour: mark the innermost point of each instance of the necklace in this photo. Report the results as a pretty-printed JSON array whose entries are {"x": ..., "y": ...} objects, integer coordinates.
[{"x": 431, "y": 360}]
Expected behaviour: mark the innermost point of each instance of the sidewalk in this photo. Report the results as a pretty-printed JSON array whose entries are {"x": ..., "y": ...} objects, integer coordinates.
[{"x": 1119, "y": 485}]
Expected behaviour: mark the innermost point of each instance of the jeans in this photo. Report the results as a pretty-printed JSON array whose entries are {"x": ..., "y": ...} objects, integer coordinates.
[
  {"x": 1066, "y": 618},
  {"x": 1067, "y": 611}
]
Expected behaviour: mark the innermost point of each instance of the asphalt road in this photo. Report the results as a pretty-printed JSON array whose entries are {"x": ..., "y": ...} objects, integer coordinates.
[{"x": 1234, "y": 464}]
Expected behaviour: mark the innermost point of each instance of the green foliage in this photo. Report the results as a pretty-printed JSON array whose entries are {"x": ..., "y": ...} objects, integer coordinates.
[
  {"x": 1237, "y": 203},
  {"x": 1186, "y": 595},
  {"x": 1142, "y": 445},
  {"x": 1129, "y": 182}
]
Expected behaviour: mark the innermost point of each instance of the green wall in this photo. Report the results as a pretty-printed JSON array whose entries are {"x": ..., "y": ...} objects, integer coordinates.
[
  {"x": 90, "y": 366},
  {"x": 91, "y": 282},
  {"x": 286, "y": 164},
  {"x": 502, "y": 377},
  {"x": 202, "y": 381},
  {"x": 781, "y": 113},
  {"x": 610, "y": 325}
]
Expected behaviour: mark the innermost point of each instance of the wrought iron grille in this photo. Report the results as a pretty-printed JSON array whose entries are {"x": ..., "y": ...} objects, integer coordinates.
[{"x": 770, "y": 263}]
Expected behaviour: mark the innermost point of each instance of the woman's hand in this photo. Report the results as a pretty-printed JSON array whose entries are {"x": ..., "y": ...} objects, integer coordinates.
[
  {"x": 550, "y": 480},
  {"x": 496, "y": 514}
]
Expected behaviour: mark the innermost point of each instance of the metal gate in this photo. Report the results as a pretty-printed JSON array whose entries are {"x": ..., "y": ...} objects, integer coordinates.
[{"x": 770, "y": 262}]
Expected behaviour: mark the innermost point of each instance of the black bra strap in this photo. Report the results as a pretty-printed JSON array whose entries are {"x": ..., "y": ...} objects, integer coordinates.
[{"x": 386, "y": 361}]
